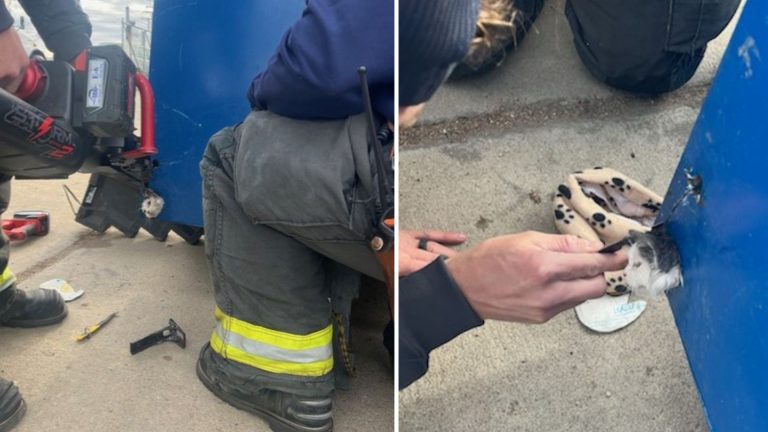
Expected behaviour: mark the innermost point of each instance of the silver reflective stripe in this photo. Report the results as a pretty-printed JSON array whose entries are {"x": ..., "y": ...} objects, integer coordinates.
[
  {"x": 274, "y": 353},
  {"x": 6, "y": 284}
]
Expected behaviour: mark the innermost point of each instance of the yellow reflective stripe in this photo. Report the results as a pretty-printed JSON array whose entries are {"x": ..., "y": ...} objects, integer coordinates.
[
  {"x": 7, "y": 278},
  {"x": 314, "y": 369},
  {"x": 287, "y": 341}
]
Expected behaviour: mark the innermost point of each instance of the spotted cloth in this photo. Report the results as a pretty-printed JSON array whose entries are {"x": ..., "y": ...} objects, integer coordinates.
[{"x": 604, "y": 204}]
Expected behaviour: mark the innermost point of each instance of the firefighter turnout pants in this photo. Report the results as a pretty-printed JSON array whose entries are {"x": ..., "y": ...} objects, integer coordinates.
[{"x": 288, "y": 214}]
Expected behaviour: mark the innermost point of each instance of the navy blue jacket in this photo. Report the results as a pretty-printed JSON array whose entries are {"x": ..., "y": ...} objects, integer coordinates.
[
  {"x": 433, "y": 310},
  {"x": 313, "y": 74},
  {"x": 6, "y": 20}
]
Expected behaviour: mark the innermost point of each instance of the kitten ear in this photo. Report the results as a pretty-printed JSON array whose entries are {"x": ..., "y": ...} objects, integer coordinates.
[{"x": 634, "y": 236}]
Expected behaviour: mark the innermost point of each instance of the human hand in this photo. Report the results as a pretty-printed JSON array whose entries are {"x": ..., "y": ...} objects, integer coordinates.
[
  {"x": 531, "y": 277},
  {"x": 411, "y": 258},
  {"x": 409, "y": 115},
  {"x": 13, "y": 60}
]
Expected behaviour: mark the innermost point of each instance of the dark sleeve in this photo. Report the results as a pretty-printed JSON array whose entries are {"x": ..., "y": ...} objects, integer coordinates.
[
  {"x": 6, "y": 20},
  {"x": 313, "y": 74},
  {"x": 433, "y": 310},
  {"x": 434, "y": 36},
  {"x": 62, "y": 24}
]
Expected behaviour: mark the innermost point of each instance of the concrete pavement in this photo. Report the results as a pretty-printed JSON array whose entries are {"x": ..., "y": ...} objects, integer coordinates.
[
  {"x": 486, "y": 160},
  {"x": 97, "y": 385}
]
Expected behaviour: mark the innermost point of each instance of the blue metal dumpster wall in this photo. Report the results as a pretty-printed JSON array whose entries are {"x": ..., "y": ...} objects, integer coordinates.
[
  {"x": 722, "y": 310},
  {"x": 204, "y": 55}
]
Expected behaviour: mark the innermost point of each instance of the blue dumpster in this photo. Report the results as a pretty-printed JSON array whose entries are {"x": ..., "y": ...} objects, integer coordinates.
[
  {"x": 204, "y": 55},
  {"x": 722, "y": 310}
]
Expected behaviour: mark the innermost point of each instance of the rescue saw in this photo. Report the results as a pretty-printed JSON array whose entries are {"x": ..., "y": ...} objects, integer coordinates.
[{"x": 66, "y": 118}]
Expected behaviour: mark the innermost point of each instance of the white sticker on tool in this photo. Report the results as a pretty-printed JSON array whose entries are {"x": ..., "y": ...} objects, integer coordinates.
[
  {"x": 97, "y": 74},
  {"x": 608, "y": 314}
]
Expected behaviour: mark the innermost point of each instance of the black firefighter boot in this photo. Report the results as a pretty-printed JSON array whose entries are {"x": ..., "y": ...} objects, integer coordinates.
[
  {"x": 19, "y": 308},
  {"x": 12, "y": 406},
  {"x": 35, "y": 308},
  {"x": 284, "y": 412}
]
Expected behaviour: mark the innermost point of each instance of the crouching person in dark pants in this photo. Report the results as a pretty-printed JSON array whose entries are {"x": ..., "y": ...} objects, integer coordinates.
[
  {"x": 644, "y": 46},
  {"x": 288, "y": 200},
  {"x": 641, "y": 46}
]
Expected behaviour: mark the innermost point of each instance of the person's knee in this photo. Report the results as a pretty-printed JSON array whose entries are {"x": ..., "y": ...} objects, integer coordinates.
[
  {"x": 666, "y": 73},
  {"x": 645, "y": 47},
  {"x": 219, "y": 151}
]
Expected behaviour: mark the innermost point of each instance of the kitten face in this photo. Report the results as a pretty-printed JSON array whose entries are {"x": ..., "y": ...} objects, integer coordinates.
[
  {"x": 654, "y": 264},
  {"x": 152, "y": 204}
]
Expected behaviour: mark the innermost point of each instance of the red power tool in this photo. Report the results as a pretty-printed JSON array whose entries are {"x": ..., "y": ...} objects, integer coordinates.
[
  {"x": 27, "y": 223},
  {"x": 66, "y": 118}
]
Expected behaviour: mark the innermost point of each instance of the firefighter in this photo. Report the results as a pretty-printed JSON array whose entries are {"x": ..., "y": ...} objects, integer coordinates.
[
  {"x": 66, "y": 32},
  {"x": 288, "y": 198}
]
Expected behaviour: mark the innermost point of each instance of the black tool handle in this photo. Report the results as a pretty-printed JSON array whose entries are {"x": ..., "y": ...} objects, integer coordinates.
[
  {"x": 172, "y": 333},
  {"x": 151, "y": 340}
]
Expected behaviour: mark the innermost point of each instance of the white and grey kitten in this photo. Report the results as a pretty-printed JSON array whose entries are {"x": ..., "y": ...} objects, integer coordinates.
[
  {"x": 152, "y": 204},
  {"x": 654, "y": 264}
]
